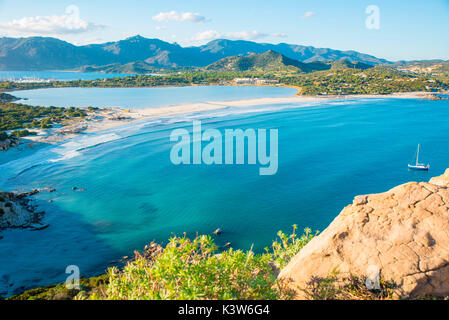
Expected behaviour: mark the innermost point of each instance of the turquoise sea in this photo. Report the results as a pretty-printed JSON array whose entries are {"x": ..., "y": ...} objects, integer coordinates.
[{"x": 329, "y": 152}]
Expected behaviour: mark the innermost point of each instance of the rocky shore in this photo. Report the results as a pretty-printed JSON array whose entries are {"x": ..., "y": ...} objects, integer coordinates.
[
  {"x": 8, "y": 143},
  {"x": 398, "y": 237},
  {"x": 18, "y": 212}
]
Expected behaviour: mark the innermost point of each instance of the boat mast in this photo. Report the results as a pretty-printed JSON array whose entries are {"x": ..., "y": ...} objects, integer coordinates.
[{"x": 417, "y": 156}]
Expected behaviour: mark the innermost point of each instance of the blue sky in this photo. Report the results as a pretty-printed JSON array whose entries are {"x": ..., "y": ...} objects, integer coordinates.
[{"x": 410, "y": 29}]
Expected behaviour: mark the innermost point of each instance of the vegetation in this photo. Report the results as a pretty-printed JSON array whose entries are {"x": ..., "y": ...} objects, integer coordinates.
[
  {"x": 275, "y": 63},
  {"x": 377, "y": 80},
  {"x": 4, "y": 97},
  {"x": 3, "y": 136},
  {"x": 338, "y": 78},
  {"x": 15, "y": 116},
  {"x": 61, "y": 292},
  {"x": 335, "y": 288},
  {"x": 23, "y": 133},
  {"x": 189, "y": 269},
  {"x": 195, "y": 270}
]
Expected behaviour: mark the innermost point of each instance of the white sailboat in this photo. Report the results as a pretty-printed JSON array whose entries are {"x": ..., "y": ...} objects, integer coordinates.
[{"x": 418, "y": 166}]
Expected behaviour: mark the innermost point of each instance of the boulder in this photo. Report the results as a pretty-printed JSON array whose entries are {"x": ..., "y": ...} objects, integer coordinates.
[
  {"x": 442, "y": 180},
  {"x": 400, "y": 236}
]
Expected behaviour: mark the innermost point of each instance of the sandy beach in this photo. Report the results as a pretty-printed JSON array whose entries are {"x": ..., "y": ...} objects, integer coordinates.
[{"x": 108, "y": 118}]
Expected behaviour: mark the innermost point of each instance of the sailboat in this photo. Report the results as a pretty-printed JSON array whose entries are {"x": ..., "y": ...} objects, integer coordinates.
[{"x": 418, "y": 166}]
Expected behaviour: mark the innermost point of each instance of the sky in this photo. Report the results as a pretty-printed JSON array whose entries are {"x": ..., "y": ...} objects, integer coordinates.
[{"x": 390, "y": 29}]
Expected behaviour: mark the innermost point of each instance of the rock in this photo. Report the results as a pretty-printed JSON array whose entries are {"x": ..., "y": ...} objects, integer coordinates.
[
  {"x": 17, "y": 212},
  {"x": 400, "y": 236},
  {"x": 39, "y": 227},
  {"x": 75, "y": 188},
  {"x": 442, "y": 180},
  {"x": 218, "y": 232}
]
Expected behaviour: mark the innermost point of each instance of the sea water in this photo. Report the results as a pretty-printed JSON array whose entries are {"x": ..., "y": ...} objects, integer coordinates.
[
  {"x": 138, "y": 98},
  {"x": 329, "y": 152}
]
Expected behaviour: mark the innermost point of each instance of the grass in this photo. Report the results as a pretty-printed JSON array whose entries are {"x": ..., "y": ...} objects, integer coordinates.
[{"x": 334, "y": 287}]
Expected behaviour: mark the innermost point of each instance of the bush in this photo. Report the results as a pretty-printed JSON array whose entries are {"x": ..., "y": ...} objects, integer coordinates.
[
  {"x": 46, "y": 124},
  {"x": 288, "y": 246},
  {"x": 2, "y": 212},
  {"x": 23, "y": 133},
  {"x": 3, "y": 136},
  {"x": 8, "y": 205},
  {"x": 192, "y": 270}
]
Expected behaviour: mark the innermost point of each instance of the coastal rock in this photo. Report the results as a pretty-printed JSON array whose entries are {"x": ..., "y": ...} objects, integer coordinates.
[
  {"x": 400, "y": 236},
  {"x": 6, "y": 144},
  {"x": 16, "y": 212},
  {"x": 442, "y": 180}
]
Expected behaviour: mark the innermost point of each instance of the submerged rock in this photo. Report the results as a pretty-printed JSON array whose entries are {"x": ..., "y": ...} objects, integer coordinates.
[
  {"x": 400, "y": 236},
  {"x": 218, "y": 232}
]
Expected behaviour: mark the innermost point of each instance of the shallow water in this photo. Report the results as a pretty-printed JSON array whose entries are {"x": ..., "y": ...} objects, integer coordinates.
[
  {"x": 138, "y": 98},
  {"x": 328, "y": 153}
]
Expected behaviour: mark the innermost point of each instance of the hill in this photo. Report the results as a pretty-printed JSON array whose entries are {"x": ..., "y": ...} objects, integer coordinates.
[
  {"x": 272, "y": 61},
  {"x": 268, "y": 61},
  {"x": 45, "y": 53}
]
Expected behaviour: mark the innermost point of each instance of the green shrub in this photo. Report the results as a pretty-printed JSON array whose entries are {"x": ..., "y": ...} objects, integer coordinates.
[
  {"x": 192, "y": 270},
  {"x": 46, "y": 124},
  {"x": 2, "y": 212},
  {"x": 8, "y": 205},
  {"x": 287, "y": 246},
  {"x": 3, "y": 136},
  {"x": 23, "y": 133}
]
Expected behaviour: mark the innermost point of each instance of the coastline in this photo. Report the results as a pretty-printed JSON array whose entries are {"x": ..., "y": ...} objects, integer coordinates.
[{"x": 108, "y": 118}]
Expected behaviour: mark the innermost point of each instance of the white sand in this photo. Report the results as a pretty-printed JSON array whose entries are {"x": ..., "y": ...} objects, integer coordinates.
[{"x": 113, "y": 117}]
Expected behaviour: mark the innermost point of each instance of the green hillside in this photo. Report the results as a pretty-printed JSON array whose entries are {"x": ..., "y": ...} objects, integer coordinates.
[
  {"x": 274, "y": 62},
  {"x": 269, "y": 61}
]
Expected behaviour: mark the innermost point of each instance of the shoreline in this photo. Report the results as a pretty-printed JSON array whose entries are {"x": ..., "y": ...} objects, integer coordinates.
[{"x": 108, "y": 118}]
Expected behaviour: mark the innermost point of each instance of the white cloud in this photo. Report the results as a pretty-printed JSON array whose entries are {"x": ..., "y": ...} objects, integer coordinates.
[
  {"x": 239, "y": 35},
  {"x": 180, "y": 17},
  {"x": 161, "y": 28},
  {"x": 308, "y": 14},
  {"x": 279, "y": 35},
  {"x": 68, "y": 23}
]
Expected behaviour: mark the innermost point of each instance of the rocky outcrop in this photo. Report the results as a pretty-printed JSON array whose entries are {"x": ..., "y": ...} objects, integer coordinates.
[
  {"x": 400, "y": 236},
  {"x": 8, "y": 143},
  {"x": 17, "y": 212}
]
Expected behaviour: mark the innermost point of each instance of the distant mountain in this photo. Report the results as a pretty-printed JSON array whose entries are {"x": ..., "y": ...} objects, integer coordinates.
[
  {"x": 40, "y": 53},
  {"x": 272, "y": 61},
  {"x": 225, "y": 48}
]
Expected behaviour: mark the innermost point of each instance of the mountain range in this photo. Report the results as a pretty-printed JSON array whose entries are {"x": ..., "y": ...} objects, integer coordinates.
[
  {"x": 45, "y": 53},
  {"x": 273, "y": 61}
]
